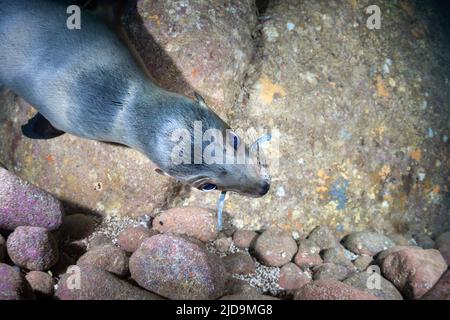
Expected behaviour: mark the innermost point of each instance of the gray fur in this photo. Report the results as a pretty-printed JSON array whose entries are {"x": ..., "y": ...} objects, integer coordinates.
[{"x": 87, "y": 83}]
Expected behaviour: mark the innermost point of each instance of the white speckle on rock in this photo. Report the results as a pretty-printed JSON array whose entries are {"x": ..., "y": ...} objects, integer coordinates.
[
  {"x": 290, "y": 26},
  {"x": 445, "y": 138},
  {"x": 280, "y": 191},
  {"x": 421, "y": 176}
]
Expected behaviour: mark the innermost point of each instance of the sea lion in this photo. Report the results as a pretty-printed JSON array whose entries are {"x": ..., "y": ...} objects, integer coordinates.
[{"x": 86, "y": 82}]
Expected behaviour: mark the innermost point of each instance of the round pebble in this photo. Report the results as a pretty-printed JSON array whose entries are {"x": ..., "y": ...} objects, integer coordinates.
[
  {"x": 244, "y": 239},
  {"x": 367, "y": 242},
  {"x": 330, "y": 271},
  {"x": 107, "y": 257},
  {"x": 239, "y": 263},
  {"x": 91, "y": 283},
  {"x": 13, "y": 286},
  {"x": 308, "y": 254},
  {"x": 323, "y": 237},
  {"x": 22, "y": 204},
  {"x": 178, "y": 268},
  {"x": 195, "y": 222},
  {"x": 42, "y": 284},
  {"x": 292, "y": 277},
  {"x": 32, "y": 248},
  {"x": 131, "y": 238},
  {"x": 275, "y": 247}
]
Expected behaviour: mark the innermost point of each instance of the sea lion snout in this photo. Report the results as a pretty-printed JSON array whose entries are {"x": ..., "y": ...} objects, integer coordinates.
[{"x": 264, "y": 188}]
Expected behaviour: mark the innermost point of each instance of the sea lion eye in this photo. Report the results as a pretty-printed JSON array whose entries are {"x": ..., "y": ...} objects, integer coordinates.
[{"x": 208, "y": 187}]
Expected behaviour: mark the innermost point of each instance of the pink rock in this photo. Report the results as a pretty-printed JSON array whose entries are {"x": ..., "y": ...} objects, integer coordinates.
[
  {"x": 107, "y": 257},
  {"x": 42, "y": 284},
  {"x": 195, "y": 222},
  {"x": 32, "y": 248},
  {"x": 441, "y": 290},
  {"x": 414, "y": 271},
  {"x": 239, "y": 263},
  {"x": 178, "y": 268},
  {"x": 244, "y": 239},
  {"x": 275, "y": 247},
  {"x": 292, "y": 277},
  {"x": 308, "y": 254},
  {"x": 131, "y": 238},
  {"x": 331, "y": 290},
  {"x": 23, "y": 204},
  {"x": 13, "y": 286}
]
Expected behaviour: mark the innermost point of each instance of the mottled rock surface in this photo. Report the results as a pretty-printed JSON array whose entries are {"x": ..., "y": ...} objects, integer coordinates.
[
  {"x": 178, "y": 268},
  {"x": 131, "y": 238},
  {"x": 107, "y": 257},
  {"x": 42, "y": 284},
  {"x": 292, "y": 277},
  {"x": 331, "y": 290},
  {"x": 195, "y": 222},
  {"x": 244, "y": 239},
  {"x": 414, "y": 271},
  {"x": 368, "y": 243},
  {"x": 239, "y": 263},
  {"x": 97, "y": 284},
  {"x": 275, "y": 247},
  {"x": 362, "y": 118},
  {"x": 379, "y": 286},
  {"x": 33, "y": 248},
  {"x": 13, "y": 286},
  {"x": 330, "y": 271},
  {"x": 441, "y": 290},
  {"x": 23, "y": 204},
  {"x": 308, "y": 254}
]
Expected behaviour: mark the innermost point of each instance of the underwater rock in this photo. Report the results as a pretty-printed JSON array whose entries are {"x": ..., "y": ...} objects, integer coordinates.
[
  {"x": 178, "y": 268},
  {"x": 385, "y": 290},
  {"x": 13, "y": 286},
  {"x": 92, "y": 283},
  {"x": 184, "y": 47},
  {"x": 292, "y": 277},
  {"x": 77, "y": 226},
  {"x": 362, "y": 262},
  {"x": 131, "y": 238},
  {"x": 244, "y": 239},
  {"x": 33, "y": 248},
  {"x": 330, "y": 289},
  {"x": 275, "y": 247},
  {"x": 23, "y": 204},
  {"x": 90, "y": 175},
  {"x": 198, "y": 223},
  {"x": 323, "y": 237},
  {"x": 367, "y": 242},
  {"x": 223, "y": 244},
  {"x": 441, "y": 290},
  {"x": 42, "y": 283},
  {"x": 107, "y": 257},
  {"x": 414, "y": 271},
  {"x": 308, "y": 254},
  {"x": 239, "y": 263},
  {"x": 330, "y": 271},
  {"x": 337, "y": 256},
  {"x": 443, "y": 245}
]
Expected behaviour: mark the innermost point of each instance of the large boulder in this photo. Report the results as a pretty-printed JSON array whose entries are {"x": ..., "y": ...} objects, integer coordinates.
[
  {"x": 23, "y": 204},
  {"x": 178, "y": 268},
  {"x": 331, "y": 91}
]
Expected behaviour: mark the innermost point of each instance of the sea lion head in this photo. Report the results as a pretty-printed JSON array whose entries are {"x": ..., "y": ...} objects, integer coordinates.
[{"x": 202, "y": 150}]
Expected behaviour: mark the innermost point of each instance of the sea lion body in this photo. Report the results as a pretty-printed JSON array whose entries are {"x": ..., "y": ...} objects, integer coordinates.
[{"x": 87, "y": 83}]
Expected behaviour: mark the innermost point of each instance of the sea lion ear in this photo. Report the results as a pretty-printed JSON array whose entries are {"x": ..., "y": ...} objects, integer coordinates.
[
  {"x": 200, "y": 100},
  {"x": 161, "y": 172}
]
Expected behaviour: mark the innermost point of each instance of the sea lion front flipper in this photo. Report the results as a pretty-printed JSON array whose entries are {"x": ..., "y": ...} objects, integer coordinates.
[{"x": 40, "y": 128}]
